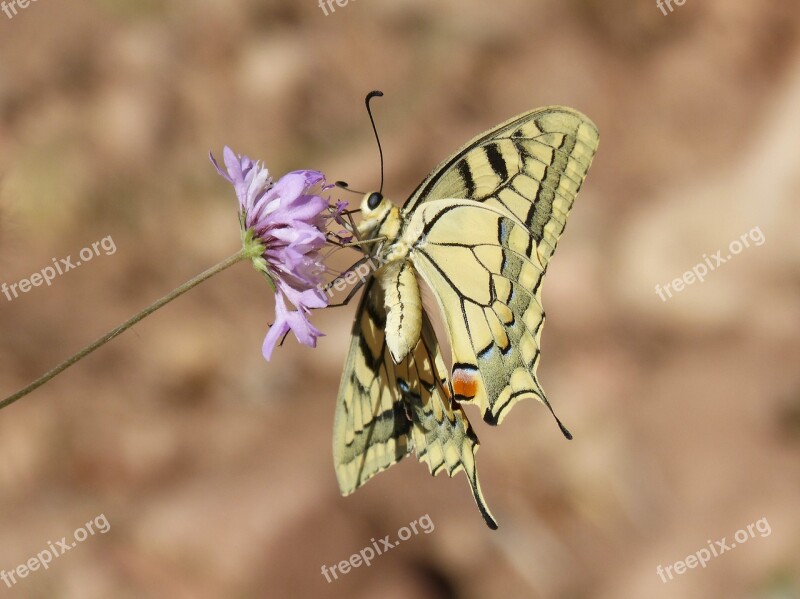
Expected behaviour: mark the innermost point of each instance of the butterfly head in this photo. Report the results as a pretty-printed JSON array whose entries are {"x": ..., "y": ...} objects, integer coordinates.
[
  {"x": 374, "y": 205},
  {"x": 374, "y": 209}
]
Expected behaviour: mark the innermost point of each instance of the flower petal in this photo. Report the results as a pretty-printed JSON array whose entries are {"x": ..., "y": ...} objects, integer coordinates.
[
  {"x": 307, "y": 207},
  {"x": 311, "y": 177},
  {"x": 219, "y": 168},
  {"x": 289, "y": 320},
  {"x": 236, "y": 165},
  {"x": 286, "y": 189},
  {"x": 306, "y": 299},
  {"x": 278, "y": 329}
]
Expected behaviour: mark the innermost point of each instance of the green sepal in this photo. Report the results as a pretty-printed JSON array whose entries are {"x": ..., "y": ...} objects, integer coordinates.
[{"x": 254, "y": 249}]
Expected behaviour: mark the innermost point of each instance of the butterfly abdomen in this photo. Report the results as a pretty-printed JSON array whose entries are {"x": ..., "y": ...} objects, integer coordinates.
[{"x": 403, "y": 307}]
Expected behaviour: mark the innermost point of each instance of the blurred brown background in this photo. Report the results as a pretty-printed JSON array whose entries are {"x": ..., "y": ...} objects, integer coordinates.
[{"x": 214, "y": 468}]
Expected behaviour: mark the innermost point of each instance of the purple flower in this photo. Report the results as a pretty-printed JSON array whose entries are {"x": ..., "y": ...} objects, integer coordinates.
[
  {"x": 283, "y": 229},
  {"x": 338, "y": 211},
  {"x": 337, "y": 215}
]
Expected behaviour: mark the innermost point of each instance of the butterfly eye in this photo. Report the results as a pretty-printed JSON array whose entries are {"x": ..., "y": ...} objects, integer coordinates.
[{"x": 374, "y": 200}]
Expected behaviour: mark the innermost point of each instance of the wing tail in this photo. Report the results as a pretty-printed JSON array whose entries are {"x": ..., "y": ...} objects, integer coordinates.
[{"x": 442, "y": 435}]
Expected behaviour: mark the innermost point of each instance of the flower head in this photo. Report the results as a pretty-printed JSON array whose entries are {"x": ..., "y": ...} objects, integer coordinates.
[{"x": 283, "y": 230}]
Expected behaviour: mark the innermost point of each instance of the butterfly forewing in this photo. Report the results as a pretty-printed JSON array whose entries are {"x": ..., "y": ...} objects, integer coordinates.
[
  {"x": 531, "y": 166},
  {"x": 489, "y": 298}
]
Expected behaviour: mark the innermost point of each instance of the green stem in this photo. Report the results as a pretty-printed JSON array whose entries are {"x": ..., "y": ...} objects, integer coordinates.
[{"x": 230, "y": 261}]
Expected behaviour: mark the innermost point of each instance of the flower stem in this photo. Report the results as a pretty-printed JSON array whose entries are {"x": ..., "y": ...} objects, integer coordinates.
[{"x": 177, "y": 292}]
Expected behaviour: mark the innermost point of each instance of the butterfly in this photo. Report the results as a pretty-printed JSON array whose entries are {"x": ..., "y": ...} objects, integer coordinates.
[{"x": 479, "y": 232}]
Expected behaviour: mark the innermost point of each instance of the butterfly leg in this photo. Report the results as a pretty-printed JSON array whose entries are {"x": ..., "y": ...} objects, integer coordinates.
[
  {"x": 350, "y": 295},
  {"x": 358, "y": 285}
]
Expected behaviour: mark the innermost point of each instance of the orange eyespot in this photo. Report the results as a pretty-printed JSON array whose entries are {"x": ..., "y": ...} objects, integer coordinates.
[{"x": 465, "y": 383}]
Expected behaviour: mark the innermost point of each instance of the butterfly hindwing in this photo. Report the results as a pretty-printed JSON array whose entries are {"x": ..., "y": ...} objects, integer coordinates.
[
  {"x": 487, "y": 285},
  {"x": 385, "y": 410},
  {"x": 443, "y": 436},
  {"x": 371, "y": 429}
]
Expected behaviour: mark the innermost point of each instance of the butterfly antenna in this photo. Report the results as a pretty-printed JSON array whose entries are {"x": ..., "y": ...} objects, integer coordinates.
[
  {"x": 344, "y": 185},
  {"x": 369, "y": 97}
]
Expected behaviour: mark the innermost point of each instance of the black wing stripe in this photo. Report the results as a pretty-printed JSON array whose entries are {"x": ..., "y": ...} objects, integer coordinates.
[
  {"x": 466, "y": 175},
  {"x": 496, "y": 161}
]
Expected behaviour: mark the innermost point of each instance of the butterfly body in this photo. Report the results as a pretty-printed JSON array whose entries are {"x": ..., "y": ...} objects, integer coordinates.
[{"x": 479, "y": 233}]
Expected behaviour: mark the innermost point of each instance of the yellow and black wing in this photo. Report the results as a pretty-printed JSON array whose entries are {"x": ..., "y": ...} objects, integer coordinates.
[
  {"x": 531, "y": 167},
  {"x": 385, "y": 410},
  {"x": 483, "y": 228}
]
